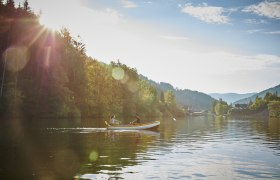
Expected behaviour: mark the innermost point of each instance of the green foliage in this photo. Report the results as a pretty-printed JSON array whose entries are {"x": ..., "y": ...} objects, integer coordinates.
[
  {"x": 271, "y": 97},
  {"x": 269, "y": 102},
  {"x": 259, "y": 104},
  {"x": 220, "y": 107},
  {"x": 274, "y": 109}
]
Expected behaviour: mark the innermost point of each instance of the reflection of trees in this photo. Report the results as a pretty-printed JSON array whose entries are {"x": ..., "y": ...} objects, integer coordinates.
[
  {"x": 274, "y": 128},
  {"x": 220, "y": 122},
  {"x": 34, "y": 152},
  {"x": 269, "y": 127},
  {"x": 167, "y": 128},
  {"x": 115, "y": 150}
]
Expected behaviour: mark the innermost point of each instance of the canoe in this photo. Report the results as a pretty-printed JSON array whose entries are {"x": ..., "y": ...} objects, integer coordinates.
[{"x": 152, "y": 125}]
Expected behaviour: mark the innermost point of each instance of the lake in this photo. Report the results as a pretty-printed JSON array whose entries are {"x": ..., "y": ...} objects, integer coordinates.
[{"x": 190, "y": 148}]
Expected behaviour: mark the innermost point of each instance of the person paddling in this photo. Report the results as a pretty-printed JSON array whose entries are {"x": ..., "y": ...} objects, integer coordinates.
[
  {"x": 137, "y": 120},
  {"x": 113, "y": 120}
]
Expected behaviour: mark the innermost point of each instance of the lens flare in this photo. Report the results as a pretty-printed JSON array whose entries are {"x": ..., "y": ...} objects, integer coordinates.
[
  {"x": 118, "y": 73},
  {"x": 93, "y": 156},
  {"x": 16, "y": 58},
  {"x": 46, "y": 56}
]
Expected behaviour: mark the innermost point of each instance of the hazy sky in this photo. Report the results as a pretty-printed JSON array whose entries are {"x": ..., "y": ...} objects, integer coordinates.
[{"x": 209, "y": 46}]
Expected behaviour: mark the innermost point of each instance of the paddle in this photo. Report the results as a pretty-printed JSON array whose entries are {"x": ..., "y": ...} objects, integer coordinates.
[
  {"x": 173, "y": 118},
  {"x": 107, "y": 124}
]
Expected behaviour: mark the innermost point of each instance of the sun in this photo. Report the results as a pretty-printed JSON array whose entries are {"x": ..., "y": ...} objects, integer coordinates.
[{"x": 57, "y": 14}]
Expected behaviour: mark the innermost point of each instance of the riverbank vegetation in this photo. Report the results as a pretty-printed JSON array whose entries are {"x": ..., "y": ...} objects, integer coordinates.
[
  {"x": 220, "y": 108},
  {"x": 48, "y": 74},
  {"x": 269, "y": 105}
]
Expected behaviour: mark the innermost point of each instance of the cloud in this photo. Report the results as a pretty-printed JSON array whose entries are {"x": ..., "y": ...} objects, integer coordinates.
[
  {"x": 148, "y": 2},
  {"x": 273, "y": 32},
  {"x": 270, "y": 9},
  {"x": 255, "y": 21},
  {"x": 252, "y": 31},
  {"x": 175, "y": 37},
  {"x": 209, "y": 14},
  {"x": 128, "y": 4}
]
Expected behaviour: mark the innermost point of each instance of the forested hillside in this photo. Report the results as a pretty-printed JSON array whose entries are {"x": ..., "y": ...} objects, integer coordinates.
[
  {"x": 189, "y": 99},
  {"x": 261, "y": 94},
  {"x": 48, "y": 74}
]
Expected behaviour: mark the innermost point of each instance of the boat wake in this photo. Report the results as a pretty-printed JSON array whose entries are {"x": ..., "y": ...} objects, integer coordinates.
[{"x": 76, "y": 130}]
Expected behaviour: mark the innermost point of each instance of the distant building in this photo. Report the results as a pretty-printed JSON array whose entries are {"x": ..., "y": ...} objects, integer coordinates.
[{"x": 241, "y": 106}]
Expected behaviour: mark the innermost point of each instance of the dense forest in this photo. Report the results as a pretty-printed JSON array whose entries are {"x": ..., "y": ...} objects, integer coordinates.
[{"x": 46, "y": 73}]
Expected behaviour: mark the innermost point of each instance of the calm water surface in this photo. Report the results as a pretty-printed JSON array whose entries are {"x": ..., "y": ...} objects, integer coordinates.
[{"x": 192, "y": 148}]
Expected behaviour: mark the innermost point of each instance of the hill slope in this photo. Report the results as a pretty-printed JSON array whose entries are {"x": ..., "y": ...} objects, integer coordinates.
[
  {"x": 192, "y": 99},
  {"x": 260, "y": 94},
  {"x": 231, "y": 97}
]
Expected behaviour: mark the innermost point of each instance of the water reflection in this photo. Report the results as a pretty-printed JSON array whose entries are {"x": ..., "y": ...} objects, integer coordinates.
[{"x": 199, "y": 148}]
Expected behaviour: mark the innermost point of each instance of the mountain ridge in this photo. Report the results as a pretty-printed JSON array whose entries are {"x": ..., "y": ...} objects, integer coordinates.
[
  {"x": 191, "y": 99},
  {"x": 231, "y": 97},
  {"x": 275, "y": 89}
]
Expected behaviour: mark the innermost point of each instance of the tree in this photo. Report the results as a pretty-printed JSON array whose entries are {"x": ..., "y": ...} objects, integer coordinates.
[
  {"x": 170, "y": 98},
  {"x": 162, "y": 97},
  {"x": 259, "y": 104},
  {"x": 270, "y": 97},
  {"x": 221, "y": 107},
  {"x": 10, "y": 3},
  {"x": 26, "y": 5}
]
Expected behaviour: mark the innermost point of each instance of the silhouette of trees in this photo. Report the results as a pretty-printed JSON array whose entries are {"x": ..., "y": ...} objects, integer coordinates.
[{"x": 26, "y": 5}]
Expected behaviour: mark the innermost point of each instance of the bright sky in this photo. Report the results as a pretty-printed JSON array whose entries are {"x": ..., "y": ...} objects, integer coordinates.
[{"x": 209, "y": 46}]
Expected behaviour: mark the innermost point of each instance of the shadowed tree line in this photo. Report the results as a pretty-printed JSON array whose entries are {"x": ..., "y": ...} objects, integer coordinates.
[{"x": 48, "y": 74}]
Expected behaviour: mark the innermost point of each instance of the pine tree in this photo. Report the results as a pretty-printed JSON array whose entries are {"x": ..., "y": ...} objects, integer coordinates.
[
  {"x": 26, "y": 5},
  {"x": 10, "y": 3}
]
